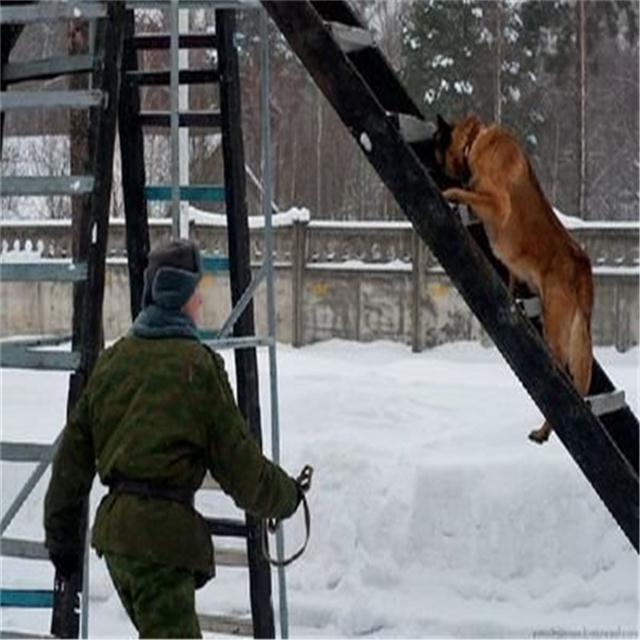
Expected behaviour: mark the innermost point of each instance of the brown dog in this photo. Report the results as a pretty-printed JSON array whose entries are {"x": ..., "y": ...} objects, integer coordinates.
[{"x": 525, "y": 235}]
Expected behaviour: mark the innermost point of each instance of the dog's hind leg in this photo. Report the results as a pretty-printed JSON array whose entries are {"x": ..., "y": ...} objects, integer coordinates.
[
  {"x": 557, "y": 305},
  {"x": 580, "y": 353}
]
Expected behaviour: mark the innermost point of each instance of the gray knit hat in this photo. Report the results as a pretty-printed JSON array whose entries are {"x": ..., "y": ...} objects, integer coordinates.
[{"x": 172, "y": 274}]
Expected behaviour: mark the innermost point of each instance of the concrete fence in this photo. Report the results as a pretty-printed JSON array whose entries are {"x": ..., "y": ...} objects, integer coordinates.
[{"x": 358, "y": 281}]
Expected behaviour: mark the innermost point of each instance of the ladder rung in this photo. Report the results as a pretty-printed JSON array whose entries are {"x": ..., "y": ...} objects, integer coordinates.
[
  {"x": 42, "y": 272},
  {"x": 185, "y": 119},
  {"x": 47, "y": 11},
  {"x": 26, "y": 598},
  {"x": 192, "y": 193},
  {"x": 144, "y": 41},
  {"x": 227, "y": 528},
  {"x": 14, "y": 357},
  {"x": 215, "y": 264},
  {"x": 349, "y": 38},
  {"x": 231, "y": 557},
  {"x": 27, "y": 549},
  {"x": 24, "y": 452},
  {"x": 226, "y": 625},
  {"x": 604, "y": 403},
  {"x": 531, "y": 307},
  {"x": 46, "y": 68},
  {"x": 81, "y": 99},
  {"x": 163, "y": 78},
  {"x": 413, "y": 129},
  {"x": 209, "y": 484},
  {"x": 46, "y": 185},
  {"x": 10, "y": 633}
]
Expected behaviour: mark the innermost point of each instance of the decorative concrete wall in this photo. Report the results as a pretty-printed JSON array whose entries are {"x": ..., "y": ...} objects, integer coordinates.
[{"x": 358, "y": 281}]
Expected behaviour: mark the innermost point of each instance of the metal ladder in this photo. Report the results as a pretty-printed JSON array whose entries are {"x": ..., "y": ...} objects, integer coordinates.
[
  {"x": 133, "y": 120},
  {"x": 87, "y": 269},
  {"x": 599, "y": 432}
]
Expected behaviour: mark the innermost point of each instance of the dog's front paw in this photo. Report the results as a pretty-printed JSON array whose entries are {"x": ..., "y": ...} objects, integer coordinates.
[{"x": 452, "y": 195}]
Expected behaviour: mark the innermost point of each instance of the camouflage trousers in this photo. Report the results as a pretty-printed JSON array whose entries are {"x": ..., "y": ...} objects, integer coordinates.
[{"x": 159, "y": 600}]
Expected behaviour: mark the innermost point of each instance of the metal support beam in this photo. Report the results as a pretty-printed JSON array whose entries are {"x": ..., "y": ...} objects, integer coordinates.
[
  {"x": 267, "y": 176},
  {"x": 240, "y": 279}
]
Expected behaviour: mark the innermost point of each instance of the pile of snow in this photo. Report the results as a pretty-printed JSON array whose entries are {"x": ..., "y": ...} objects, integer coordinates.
[
  {"x": 282, "y": 219},
  {"x": 432, "y": 514}
]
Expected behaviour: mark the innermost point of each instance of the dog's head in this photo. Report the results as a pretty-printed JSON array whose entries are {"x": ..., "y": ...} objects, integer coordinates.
[
  {"x": 452, "y": 143},
  {"x": 431, "y": 151}
]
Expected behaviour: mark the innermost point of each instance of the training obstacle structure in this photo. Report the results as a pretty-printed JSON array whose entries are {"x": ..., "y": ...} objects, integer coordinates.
[{"x": 599, "y": 432}]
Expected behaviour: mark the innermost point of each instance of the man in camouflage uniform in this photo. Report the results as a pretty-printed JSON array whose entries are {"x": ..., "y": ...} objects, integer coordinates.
[{"x": 157, "y": 413}]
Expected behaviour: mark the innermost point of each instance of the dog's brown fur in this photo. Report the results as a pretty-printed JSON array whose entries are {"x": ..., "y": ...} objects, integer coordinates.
[{"x": 527, "y": 237}]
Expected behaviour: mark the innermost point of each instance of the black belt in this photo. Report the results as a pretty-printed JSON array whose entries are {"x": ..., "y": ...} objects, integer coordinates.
[{"x": 147, "y": 489}]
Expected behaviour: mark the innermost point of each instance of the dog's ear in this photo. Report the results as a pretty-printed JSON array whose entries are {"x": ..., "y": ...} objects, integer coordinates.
[{"x": 472, "y": 128}]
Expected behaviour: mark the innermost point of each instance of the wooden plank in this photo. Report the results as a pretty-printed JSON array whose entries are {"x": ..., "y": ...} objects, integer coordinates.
[
  {"x": 225, "y": 625},
  {"x": 46, "y": 185},
  {"x": 163, "y": 78},
  {"x": 133, "y": 173},
  {"x": 25, "y": 452},
  {"x": 46, "y": 69},
  {"x": 363, "y": 112},
  {"x": 19, "y": 100},
  {"x": 240, "y": 279},
  {"x": 200, "y": 119},
  {"x": 146, "y": 41},
  {"x": 42, "y": 272},
  {"x": 48, "y": 11},
  {"x": 27, "y": 549}
]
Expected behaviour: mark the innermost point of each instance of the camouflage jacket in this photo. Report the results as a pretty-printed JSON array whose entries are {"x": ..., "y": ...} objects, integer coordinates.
[{"x": 159, "y": 410}]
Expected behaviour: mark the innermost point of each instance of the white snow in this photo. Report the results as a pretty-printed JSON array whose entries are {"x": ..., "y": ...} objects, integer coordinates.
[
  {"x": 365, "y": 141},
  {"x": 282, "y": 219},
  {"x": 378, "y": 225},
  {"x": 432, "y": 514},
  {"x": 360, "y": 265}
]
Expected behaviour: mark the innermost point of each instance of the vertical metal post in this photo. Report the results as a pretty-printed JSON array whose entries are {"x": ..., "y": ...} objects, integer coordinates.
[
  {"x": 183, "y": 105},
  {"x": 85, "y": 598},
  {"x": 265, "y": 139},
  {"x": 174, "y": 133}
]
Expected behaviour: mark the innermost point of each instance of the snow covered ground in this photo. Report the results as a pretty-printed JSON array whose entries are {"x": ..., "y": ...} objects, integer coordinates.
[{"x": 433, "y": 515}]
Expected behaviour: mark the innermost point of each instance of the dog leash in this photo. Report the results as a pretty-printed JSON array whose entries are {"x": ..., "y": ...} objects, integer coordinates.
[{"x": 304, "y": 484}]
